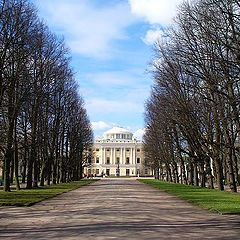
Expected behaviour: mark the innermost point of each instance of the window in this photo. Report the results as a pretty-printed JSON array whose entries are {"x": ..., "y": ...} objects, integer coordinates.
[
  {"x": 97, "y": 159},
  {"x": 108, "y": 160},
  {"x": 117, "y": 149},
  {"x": 138, "y": 160},
  {"x": 89, "y": 149},
  {"x": 146, "y": 171},
  {"x": 117, "y": 160},
  {"x": 108, "y": 149},
  {"x": 97, "y": 149},
  {"x": 97, "y": 171},
  {"x": 138, "y": 150},
  {"x": 127, "y": 160},
  {"x": 127, "y": 172},
  {"x": 127, "y": 150}
]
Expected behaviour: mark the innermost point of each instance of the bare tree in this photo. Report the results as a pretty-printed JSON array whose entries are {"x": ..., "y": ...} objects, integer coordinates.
[
  {"x": 196, "y": 93},
  {"x": 44, "y": 126}
]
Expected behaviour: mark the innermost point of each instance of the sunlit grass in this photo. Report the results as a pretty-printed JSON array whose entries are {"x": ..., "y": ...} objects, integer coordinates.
[
  {"x": 211, "y": 199},
  {"x": 30, "y": 197}
]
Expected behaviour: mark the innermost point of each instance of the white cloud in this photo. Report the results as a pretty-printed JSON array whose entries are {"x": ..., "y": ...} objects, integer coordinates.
[
  {"x": 158, "y": 13},
  {"x": 101, "y": 125},
  {"x": 139, "y": 134},
  {"x": 90, "y": 30},
  {"x": 152, "y": 36},
  {"x": 155, "y": 11}
]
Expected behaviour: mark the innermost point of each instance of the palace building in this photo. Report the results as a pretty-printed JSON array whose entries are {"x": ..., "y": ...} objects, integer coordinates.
[{"x": 118, "y": 154}]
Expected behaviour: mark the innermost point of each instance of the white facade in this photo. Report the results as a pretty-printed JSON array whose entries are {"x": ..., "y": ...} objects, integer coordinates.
[{"x": 118, "y": 154}]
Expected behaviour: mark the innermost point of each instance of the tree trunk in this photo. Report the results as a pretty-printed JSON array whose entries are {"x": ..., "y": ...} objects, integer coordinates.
[
  {"x": 156, "y": 172},
  {"x": 191, "y": 174},
  {"x": 49, "y": 170},
  {"x": 196, "y": 180},
  {"x": 202, "y": 175},
  {"x": 183, "y": 172},
  {"x": 35, "y": 174},
  {"x": 24, "y": 170},
  {"x": 232, "y": 180},
  {"x": 209, "y": 173},
  {"x": 7, "y": 163},
  {"x": 161, "y": 172},
  {"x": 29, "y": 173},
  {"x": 219, "y": 170},
  {"x": 32, "y": 157},
  {"x": 54, "y": 173},
  {"x": 26, "y": 154},
  {"x": 8, "y": 156},
  {"x": 236, "y": 169},
  {"x": 12, "y": 168},
  {"x": 42, "y": 177},
  {"x": 16, "y": 160}
]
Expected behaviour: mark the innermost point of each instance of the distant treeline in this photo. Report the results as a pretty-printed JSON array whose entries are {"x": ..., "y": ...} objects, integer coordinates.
[
  {"x": 44, "y": 127},
  {"x": 193, "y": 114}
]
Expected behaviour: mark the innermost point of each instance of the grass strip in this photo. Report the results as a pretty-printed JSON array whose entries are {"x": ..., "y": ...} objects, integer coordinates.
[
  {"x": 214, "y": 200},
  {"x": 29, "y": 197}
]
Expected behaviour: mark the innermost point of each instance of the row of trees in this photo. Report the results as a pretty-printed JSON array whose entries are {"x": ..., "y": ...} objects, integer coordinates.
[
  {"x": 192, "y": 116},
  {"x": 44, "y": 127}
]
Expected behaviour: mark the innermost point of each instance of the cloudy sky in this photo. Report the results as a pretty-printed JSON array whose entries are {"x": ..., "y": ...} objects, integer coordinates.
[{"x": 111, "y": 47}]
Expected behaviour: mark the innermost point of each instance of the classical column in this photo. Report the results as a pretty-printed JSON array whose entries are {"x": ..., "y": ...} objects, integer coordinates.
[
  {"x": 111, "y": 156},
  {"x": 120, "y": 159},
  {"x": 102, "y": 161},
  {"x": 104, "y": 155},
  {"x": 114, "y": 155},
  {"x": 134, "y": 155},
  {"x": 131, "y": 156},
  {"x": 124, "y": 155}
]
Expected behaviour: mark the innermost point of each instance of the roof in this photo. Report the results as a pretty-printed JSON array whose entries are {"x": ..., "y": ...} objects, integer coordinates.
[{"x": 117, "y": 130}]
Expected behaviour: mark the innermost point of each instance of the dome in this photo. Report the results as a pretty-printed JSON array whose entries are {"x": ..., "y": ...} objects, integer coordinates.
[
  {"x": 118, "y": 133},
  {"x": 117, "y": 130}
]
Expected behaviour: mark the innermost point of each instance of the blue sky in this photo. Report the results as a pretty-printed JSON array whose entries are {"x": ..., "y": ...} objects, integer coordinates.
[{"x": 111, "y": 47}]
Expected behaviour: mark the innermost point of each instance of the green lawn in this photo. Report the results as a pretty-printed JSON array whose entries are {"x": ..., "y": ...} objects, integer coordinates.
[
  {"x": 30, "y": 197},
  {"x": 211, "y": 199}
]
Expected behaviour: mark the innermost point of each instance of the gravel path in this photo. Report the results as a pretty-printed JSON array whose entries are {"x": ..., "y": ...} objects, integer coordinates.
[{"x": 115, "y": 209}]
